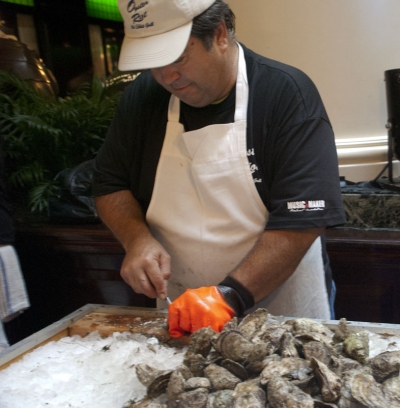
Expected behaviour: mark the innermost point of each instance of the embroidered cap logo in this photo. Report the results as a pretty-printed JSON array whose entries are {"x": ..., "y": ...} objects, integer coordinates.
[{"x": 138, "y": 14}]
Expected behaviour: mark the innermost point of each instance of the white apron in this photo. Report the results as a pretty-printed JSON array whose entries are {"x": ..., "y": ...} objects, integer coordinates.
[{"x": 206, "y": 211}]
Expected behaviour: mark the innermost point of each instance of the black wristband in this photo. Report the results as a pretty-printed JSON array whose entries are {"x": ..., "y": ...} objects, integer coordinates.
[{"x": 236, "y": 295}]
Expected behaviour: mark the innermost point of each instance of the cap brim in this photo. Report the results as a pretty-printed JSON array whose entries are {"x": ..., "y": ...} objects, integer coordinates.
[{"x": 154, "y": 51}]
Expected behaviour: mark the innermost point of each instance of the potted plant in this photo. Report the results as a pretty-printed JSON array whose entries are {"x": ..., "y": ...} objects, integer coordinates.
[{"x": 43, "y": 136}]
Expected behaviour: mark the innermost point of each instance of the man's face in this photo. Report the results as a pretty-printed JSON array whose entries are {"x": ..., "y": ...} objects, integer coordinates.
[{"x": 199, "y": 77}]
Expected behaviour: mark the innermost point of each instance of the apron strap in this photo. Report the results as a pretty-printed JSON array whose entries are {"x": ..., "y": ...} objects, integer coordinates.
[
  {"x": 242, "y": 89},
  {"x": 242, "y": 94}
]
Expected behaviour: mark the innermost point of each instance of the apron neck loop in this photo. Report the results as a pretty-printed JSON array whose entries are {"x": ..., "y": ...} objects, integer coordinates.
[{"x": 242, "y": 93}]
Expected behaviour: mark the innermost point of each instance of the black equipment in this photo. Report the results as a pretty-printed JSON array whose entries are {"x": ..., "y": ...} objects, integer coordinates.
[{"x": 392, "y": 80}]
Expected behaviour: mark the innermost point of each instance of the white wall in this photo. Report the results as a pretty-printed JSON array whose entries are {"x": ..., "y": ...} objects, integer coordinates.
[{"x": 344, "y": 46}]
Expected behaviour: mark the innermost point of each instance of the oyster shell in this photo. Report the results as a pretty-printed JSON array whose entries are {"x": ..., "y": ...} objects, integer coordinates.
[
  {"x": 235, "y": 368},
  {"x": 249, "y": 395},
  {"x": 197, "y": 382},
  {"x": 195, "y": 363},
  {"x": 318, "y": 350},
  {"x": 306, "y": 326},
  {"x": 385, "y": 365},
  {"x": 233, "y": 345},
  {"x": 356, "y": 345},
  {"x": 254, "y": 323},
  {"x": 291, "y": 368},
  {"x": 200, "y": 341},
  {"x": 392, "y": 386},
  {"x": 366, "y": 390},
  {"x": 329, "y": 382},
  {"x": 195, "y": 399},
  {"x": 143, "y": 403},
  {"x": 283, "y": 394},
  {"x": 220, "y": 399},
  {"x": 288, "y": 346},
  {"x": 155, "y": 380},
  {"x": 342, "y": 331},
  {"x": 341, "y": 365},
  {"x": 221, "y": 378},
  {"x": 258, "y": 365},
  {"x": 176, "y": 386}
]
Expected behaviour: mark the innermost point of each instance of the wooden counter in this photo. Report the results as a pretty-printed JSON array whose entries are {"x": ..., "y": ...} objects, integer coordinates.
[{"x": 69, "y": 266}]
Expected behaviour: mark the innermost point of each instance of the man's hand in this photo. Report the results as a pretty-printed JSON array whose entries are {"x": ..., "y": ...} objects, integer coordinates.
[
  {"x": 146, "y": 267},
  {"x": 197, "y": 308}
]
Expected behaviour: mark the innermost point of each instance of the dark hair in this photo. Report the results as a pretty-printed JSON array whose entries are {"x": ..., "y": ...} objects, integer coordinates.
[{"x": 206, "y": 23}]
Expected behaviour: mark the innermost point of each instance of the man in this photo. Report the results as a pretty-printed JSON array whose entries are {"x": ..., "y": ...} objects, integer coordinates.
[{"x": 219, "y": 172}]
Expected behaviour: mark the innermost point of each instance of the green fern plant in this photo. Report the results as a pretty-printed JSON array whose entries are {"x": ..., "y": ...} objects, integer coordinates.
[{"x": 44, "y": 136}]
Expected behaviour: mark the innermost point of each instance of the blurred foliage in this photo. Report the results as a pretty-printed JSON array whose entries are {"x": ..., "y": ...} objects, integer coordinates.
[{"x": 43, "y": 136}]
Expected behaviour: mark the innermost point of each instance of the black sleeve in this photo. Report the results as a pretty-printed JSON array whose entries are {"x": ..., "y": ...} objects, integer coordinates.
[
  {"x": 129, "y": 156},
  {"x": 294, "y": 148},
  {"x": 305, "y": 190}
]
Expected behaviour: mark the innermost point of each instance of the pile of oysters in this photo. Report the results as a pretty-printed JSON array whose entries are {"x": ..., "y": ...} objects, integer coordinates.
[{"x": 261, "y": 361}]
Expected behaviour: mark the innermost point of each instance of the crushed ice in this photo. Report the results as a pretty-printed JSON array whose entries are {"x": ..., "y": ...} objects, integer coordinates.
[{"x": 84, "y": 372}]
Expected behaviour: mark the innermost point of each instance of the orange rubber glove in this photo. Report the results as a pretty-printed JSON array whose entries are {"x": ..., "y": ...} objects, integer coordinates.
[{"x": 197, "y": 308}]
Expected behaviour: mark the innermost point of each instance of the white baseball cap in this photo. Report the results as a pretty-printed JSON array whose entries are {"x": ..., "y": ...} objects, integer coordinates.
[{"x": 156, "y": 31}]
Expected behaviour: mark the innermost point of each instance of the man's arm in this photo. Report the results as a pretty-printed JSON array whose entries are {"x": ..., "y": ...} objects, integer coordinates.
[
  {"x": 273, "y": 259},
  {"x": 271, "y": 262},
  {"x": 146, "y": 266}
]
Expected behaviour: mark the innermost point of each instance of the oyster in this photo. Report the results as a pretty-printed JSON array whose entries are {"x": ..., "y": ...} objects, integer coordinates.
[
  {"x": 288, "y": 346},
  {"x": 291, "y": 368},
  {"x": 195, "y": 363},
  {"x": 385, "y": 365},
  {"x": 356, "y": 346},
  {"x": 341, "y": 365},
  {"x": 195, "y": 399},
  {"x": 197, "y": 382},
  {"x": 366, "y": 390},
  {"x": 347, "y": 380},
  {"x": 392, "y": 386},
  {"x": 200, "y": 341},
  {"x": 260, "y": 327},
  {"x": 283, "y": 394},
  {"x": 306, "y": 326},
  {"x": 176, "y": 386},
  {"x": 258, "y": 365},
  {"x": 235, "y": 368},
  {"x": 253, "y": 323},
  {"x": 342, "y": 331},
  {"x": 143, "y": 403},
  {"x": 248, "y": 394},
  {"x": 155, "y": 380},
  {"x": 220, "y": 399},
  {"x": 318, "y": 350},
  {"x": 329, "y": 382},
  {"x": 233, "y": 345},
  {"x": 221, "y": 378}
]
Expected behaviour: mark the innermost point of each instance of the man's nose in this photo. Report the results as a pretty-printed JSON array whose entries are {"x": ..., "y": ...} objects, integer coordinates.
[{"x": 169, "y": 74}]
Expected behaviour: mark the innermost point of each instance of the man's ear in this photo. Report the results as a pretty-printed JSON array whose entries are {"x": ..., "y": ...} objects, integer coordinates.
[{"x": 221, "y": 37}]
